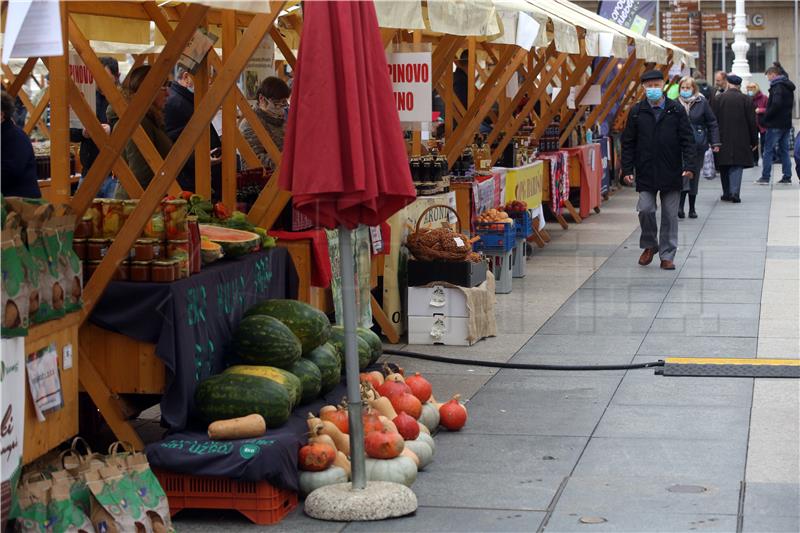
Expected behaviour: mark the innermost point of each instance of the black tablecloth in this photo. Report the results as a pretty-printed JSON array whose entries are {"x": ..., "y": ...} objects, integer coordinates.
[
  {"x": 271, "y": 458},
  {"x": 192, "y": 321}
]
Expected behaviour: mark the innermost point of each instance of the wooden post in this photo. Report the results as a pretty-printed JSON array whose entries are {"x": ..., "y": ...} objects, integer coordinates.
[
  {"x": 22, "y": 76},
  {"x": 59, "y": 119},
  {"x": 569, "y": 80},
  {"x": 416, "y": 135},
  {"x": 229, "y": 128},
  {"x": 202, "y": 150},
  {"x": 610, "y": 93},
  {"x": 471, "y": 64}
]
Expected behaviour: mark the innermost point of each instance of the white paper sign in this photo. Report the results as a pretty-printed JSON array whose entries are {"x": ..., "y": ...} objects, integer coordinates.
[
  {"x": 260, "y": 66},
  {"x": 605, "y": 44},
  {"x": 33, "y": 29},
  {"x": 86, "y": 84},
  {"x": 527, "y": 31},
  {"x": 592, "y": 96},
  {"x": 512, "y": 87},
  {"x": 12, "y": 408},
  {"x": 410, "y": 73},
  {"x": 44, "y": 381}
]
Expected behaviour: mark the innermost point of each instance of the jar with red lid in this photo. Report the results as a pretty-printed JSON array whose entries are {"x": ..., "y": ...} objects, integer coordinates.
[
  {"x": 80, "y": 246},
  {"x": 96, "y": 249},
  {"x": 140, "y": 271},
  {"x": 162, "y": 271}
]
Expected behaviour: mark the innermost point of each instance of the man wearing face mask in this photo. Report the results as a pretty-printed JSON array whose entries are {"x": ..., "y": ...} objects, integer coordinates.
[
  {"x": 273, "y": 101},
  {"x": 177, "y": 112},
  {"x": 658, "y": 146}
]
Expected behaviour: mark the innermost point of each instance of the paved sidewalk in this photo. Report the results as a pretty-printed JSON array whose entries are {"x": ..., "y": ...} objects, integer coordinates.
[{"x": 623, "y": 450}]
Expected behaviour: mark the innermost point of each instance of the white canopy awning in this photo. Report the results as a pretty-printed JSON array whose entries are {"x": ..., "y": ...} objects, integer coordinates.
[{"x": 454, "y": 17}]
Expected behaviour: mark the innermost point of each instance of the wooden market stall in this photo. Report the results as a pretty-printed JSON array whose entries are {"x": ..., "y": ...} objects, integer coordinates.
[{"x": 573, "y": 49}]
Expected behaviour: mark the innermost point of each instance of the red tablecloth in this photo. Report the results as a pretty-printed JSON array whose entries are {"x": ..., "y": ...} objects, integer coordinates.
[
  {"x": 591, "y": 165},
  {"x": 320, "y": 258}
]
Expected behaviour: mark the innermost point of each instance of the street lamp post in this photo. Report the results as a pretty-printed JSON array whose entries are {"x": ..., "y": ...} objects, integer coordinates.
[{"x": 740, "y": 47}]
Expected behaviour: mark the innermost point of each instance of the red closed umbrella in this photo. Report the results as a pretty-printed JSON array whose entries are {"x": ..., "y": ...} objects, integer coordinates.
[{"x": 344, "y": 157}]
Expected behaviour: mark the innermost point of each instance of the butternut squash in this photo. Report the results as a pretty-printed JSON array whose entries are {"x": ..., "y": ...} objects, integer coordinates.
[
  {"x": 317, "y": 436},
  {"x": 245, "y": 427},
  {"x": 341, "y": 440},
  {"x": 312, "y": 422},
  {"x": 384, "y": 407},
  {"x": 342, "y": 462},
  {"x": 388, "y": 424}
]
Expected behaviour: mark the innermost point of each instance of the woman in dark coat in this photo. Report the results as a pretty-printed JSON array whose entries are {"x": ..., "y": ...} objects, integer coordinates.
[
  {"x": 739, "y": 135},
  {"x": 760, "y": 103},
  {"x": 18, "y": 168},
  {"x": 706, "y": 132}
]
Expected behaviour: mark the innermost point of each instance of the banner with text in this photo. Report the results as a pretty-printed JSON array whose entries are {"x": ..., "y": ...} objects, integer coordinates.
[
  {"x": 86, "y": 83},
  {"x": 633, "y": 14},
  {"x": 525, "y": 184},
  {"x": 410, "y": 73},
  {"x": 12, "y": 385}
]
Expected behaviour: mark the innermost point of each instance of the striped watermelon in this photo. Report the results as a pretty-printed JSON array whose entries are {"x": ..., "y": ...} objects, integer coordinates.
[
  {"x": 278, "y": 375},
  {"x": 227, "y": 396},
  {"x": 364, "y": 350},
  {"x": 308, "y": 323},
  {"x": 330, "y": 367},
  {"x": 264, "y": 340},
  {"x": 234, "y": 242},
  {"x": 375, "y": 344},
  {"x": 310, "y": 379}
]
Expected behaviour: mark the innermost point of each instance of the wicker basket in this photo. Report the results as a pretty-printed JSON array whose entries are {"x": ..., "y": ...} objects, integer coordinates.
[{"x": 426, "y": 244}]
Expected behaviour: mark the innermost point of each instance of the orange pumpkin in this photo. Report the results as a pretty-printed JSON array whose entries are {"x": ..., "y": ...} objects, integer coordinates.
[
  {"x": 407, "y": 403},
  {"x": 383, "y": 444},
  {"x": 316, "y": 457},
  {"x": 338, "y": 418}
]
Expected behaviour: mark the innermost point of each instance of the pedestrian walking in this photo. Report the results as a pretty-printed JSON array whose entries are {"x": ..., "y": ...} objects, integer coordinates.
[
  {"x": 760, "y": 103},
  {"x": 706, "y": 133},
  {"x": 658, "y": 147},
  {"x": 739, "y": 135},
  {"x": 720, "y": 83},
  {"x": 778, "y": 121}
]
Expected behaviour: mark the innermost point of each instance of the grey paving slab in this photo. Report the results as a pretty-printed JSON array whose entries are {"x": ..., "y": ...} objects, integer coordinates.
[
  {"x": 710, "y": 310},
  {"x": 585, "y": 307},
  {"x": 208, "y": 520},
  {"x": 601, "y": 496},
  {"x": 632, "y": 294},
  {"x": 572, "y": 388},
  {"x": 783, "y": 252},
  {"x": 589, "y": 345},
  {"x": 706, "y": 326},
  {"x": 772, "y": 499},
  {"x": 574, "y": 360},
  {"x": 725, "y": 291},
  {"x": 715, "y": 461},
  {"x": 498, "y": 455},
  {"x": 596, "y": 325},
  {"x": 642, "y": 387},
  {"x": 455, "y": 519},
  {"x": 702, "y": 268},
  {"x": 635, "y": 270},
  {"x": 497, "y": 412},
  {"x": 654, "y": 283},
  {"x": 761, "y": 523},
  {"x": 644, "y": 522},
  {"x": 507, "y": 491},
  {"x": 677, "y": 345},
  {"x": 675, "y": 422}
]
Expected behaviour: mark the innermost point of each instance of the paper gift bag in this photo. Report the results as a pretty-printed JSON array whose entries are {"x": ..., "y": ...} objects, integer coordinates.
[
  {"x": 154, "y": 499},
  {"x": 33, "y": 499},
  {"x": 116, "y": 505},
  {"x": 63, "y": 513},
  {"x": 16, "y": 286}
]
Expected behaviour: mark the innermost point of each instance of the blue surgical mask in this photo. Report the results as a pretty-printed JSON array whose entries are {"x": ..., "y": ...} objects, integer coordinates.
[
  {"x": 654, "y": 94},
  {"x": 751, "y": 93},
  {"x": 686, "y": 94}
]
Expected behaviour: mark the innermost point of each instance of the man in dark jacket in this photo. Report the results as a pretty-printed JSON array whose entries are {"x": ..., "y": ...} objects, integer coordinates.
[
  {"x": 18, "y": 165},
  {"x": 738, "y": 132},
  {"x": 658, "y": 144},
  {"x": 778, "y": 121},
  {"x": 177, "y": 112}
]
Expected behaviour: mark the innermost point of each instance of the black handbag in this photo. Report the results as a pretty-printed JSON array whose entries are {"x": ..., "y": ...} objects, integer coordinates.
[{"x": 700, "y": 135}]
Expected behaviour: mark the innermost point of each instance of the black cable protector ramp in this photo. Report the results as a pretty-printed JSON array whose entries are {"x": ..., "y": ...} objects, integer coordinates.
[{"x": 519, "y": 366}]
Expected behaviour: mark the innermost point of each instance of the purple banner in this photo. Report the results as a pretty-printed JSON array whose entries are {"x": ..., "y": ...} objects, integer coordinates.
[{"x": 633, "y": 14}]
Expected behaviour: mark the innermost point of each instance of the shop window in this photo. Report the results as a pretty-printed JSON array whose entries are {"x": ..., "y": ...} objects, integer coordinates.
[{"x": 761, "y": 54}]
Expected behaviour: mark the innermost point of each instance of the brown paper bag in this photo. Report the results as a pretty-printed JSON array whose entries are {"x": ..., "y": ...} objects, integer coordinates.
[{"x": 16, "y": 268}]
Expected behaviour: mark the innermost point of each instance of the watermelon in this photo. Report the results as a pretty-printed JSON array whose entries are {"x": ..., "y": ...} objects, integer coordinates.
[
  {"x": 364, "y": 350},
  {"x": 310, "y": 324},
  {"x": 374, "y": 342},
  {"x": 264, "y": 340},
  {"x": 227, "y": 396},
  {"x": 234, "y": 242},
  {"x": 310, "y": 379},
  {"x": 278, "y": 375},
  {"x": 330, "y": 366}
]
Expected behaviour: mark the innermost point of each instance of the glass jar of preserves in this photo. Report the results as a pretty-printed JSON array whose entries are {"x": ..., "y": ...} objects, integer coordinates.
[
  {"x": 140, "y": 271},
  {"x": 121, "y": 273},
  {"x": 162, "y": 271},
  {"x": 154, "y": 229},
  {"x": 83, "y": 229},
  {"x": 96, "y": 249},
  {"x": 95, "y": 214},
  {"x": 80, "y": 247},
  {"x": 144, "y": 250},
  {"x": 113, "y": 217},
  {"x": 175, "y": 213}
]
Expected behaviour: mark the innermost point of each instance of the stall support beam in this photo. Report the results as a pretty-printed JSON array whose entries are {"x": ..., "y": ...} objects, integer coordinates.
[
  {"x": 581, "y": 64},
  {"x": 229, "y": 128},
  {"x": 22, "y": 76},
  {"x": 59, "y": 120},
  {"x": 283, "y": 47},
  {"x": 471, "y": 69},
  {"x": 630, "y": 89},
  {"x": 202, "y": 150},
  {"x": 573, "y": 117},
  {"x": 625, "y": 73},
  {"x": 33, "y": 111}
]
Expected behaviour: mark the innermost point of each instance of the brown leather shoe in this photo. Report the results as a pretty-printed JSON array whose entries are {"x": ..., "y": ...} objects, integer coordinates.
[
  {"x": 647, "y": 256},
  {"x": 666, "y": 264}
]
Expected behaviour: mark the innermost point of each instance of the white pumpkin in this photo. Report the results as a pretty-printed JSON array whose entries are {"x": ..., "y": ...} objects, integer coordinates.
[
  {"x": 398, "y": 470},
  {"x": 427, "y": 439},
  {"x": 311, "y": 481},
  {"x": 423, "y": 451},
  {"x": 429, "y": 416},
  {"x": 423, "y": 428}
]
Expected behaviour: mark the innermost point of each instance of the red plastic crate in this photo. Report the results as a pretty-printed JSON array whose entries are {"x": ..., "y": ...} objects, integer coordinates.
[{"x": 259, "y": 501}]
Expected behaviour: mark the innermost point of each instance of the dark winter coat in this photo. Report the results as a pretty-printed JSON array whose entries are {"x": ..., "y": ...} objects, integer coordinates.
[
  {"x": 178, "y": 109},
  {"x": 18, "y": 168},
  {"x": 659, "y": 150},
  {"x": 779, "y": 105},
  {"x": 88, "y": 150},
  {"x": 737, "y": 127},
  {"x": 702, "y": 117}
]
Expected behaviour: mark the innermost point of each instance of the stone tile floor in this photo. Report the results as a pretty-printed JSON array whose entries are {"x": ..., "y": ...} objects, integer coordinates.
[{"x": 622, "y": 450}]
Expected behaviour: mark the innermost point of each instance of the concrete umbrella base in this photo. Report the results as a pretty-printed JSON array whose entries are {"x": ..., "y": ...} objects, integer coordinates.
[{"x": 378, "y": 501}]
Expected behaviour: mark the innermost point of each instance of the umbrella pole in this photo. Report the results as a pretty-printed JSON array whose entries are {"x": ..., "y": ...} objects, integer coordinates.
[{"x": 356, "y": 425}]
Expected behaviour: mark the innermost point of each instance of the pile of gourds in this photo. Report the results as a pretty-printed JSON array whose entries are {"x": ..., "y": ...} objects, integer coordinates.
[{"x": 398, "y": 417}]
